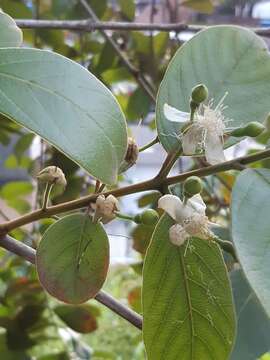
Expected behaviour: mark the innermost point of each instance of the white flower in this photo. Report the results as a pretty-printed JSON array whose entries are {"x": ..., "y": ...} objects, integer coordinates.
[
  {"x": 105, "y": 208},
  {"x": 206, "y": 132},
  {"x": 190, "y": 218}
]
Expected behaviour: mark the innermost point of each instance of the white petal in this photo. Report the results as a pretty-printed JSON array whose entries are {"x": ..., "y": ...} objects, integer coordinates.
[
  {"x": 191, "y": 138},
  {"x": 197, "y": 203},
  {"x": 171, "y": 205},
  {"x": 175, "y": 115},
  {"x": 178, "y": 235},
  {"x": 214, "y": 150}
]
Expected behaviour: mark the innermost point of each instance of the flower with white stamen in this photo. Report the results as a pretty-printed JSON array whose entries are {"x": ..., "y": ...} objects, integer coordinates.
[
  {"x": 190, "y": 218},
  {"x": 205, "y": 133}
]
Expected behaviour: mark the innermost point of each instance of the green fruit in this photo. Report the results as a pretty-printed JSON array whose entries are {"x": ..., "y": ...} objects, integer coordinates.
[
  {"x": 254, "y": 129},
  {"x": 199, "y": 93},
  {"x": 192, "y": 186},
  {"x": 149, "y": 217}
]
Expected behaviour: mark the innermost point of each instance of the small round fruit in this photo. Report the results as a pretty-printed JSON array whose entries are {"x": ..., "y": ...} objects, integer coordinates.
[{"x": 149, "y": 217}]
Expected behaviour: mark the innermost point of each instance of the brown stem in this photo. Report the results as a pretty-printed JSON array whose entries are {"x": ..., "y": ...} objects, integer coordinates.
[
  {"x": 152, "y": 184},
  {"x": 90, "y": 25},
  {"x": 29, "y": 254}
]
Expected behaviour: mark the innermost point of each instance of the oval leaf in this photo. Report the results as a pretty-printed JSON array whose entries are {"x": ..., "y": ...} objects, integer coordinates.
[
  {"x": 253, "y": 327},
  {"x": 10, "y": 34},
  {"x": 66, "y": 105},
  {"x": 187, "y": 300},
  {"x": 240, "y": 66},
  {"x": 251, "y": 229},
  {"x": 81, "y": 318},
  {"x": 73, "y": 258}
]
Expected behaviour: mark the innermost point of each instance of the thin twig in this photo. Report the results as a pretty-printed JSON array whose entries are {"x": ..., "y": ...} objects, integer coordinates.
[
  {"x": 141, "y": 80},
  {"x": 90, "y": 25},
  {"x": 151, "y": 143},
  {"x": 29, "y": 254}
]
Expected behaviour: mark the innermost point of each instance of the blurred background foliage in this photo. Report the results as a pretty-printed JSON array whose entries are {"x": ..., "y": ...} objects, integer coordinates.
[{"x": 32, "y": 324}]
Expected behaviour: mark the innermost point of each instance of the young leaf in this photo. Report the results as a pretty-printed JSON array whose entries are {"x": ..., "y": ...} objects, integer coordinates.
[
  {"x": 187, "y": 300},
  {"x": 253, "y": 326},
  {"x": 81, "y": 318},
  {"x": 67, "y": 106},
  {"x": 73, "y": 259},
  {"x": 251, "y": 229},
  {"x": 241, "y": 67},
  {"x": 10, "y": 34}
]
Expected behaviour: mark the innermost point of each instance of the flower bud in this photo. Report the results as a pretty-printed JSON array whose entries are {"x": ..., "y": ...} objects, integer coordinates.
[
  {"x": 199, "y": 94},
  {"x": 252, "y": 129},
  {"x": 149, "y": 217},
  {"x": 105, "y": 208},
  {"x": 52, "y": 175},
  {"x": 192, "y": 186},
  {"x": 131, "y": 155}
]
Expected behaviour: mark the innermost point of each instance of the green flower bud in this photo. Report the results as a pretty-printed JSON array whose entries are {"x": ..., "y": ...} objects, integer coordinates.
[
  {"x": 199, "y": 94},
  {"x": 192, "y": 186},
  {"x": 52, "y": 175},
  {"x": 254, "y": 129},
  {"x": 149, "y": 217},
  {"x": 138, "y": 219}
]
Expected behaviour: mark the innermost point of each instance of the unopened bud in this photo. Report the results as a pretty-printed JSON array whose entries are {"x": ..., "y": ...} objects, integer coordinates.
[
  {"x": 199, "y": 94},
  {"x": 52, "y": 175},
  {"x": 252, "y": 129},
  {"x": 131, "y": 155},
  {"x": 192, "y": 186},
  {"x": 149, "y": 217},
  {"x": 105, "y": 208}
]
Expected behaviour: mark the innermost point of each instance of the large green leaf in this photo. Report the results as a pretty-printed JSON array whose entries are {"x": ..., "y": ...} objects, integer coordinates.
[
  {"x": 187, "y": 300},
  {"x": 253, "y": 327},
  {"x": 66, "y": 105},
  {"x": 251, "y": 229},
  {"x": 240, "y": 66},
  {"x": 10, "y": 34},
  {"x": 73, "y": 258}
]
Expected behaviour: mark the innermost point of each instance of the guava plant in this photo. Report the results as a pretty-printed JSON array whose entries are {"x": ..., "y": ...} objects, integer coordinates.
[{"x": 214, "y": 94}]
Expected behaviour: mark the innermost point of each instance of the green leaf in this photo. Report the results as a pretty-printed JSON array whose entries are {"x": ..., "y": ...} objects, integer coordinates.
[
  {"x": 128, "y": 8},
  {"x": 73, "y": 258},
  {"x": 138, "y": 105},
  {"x": 251, "y": 229},
  {"x": 23, "y": 144},
  {"x": 202, "y": 6},
  {"x": 80, "y": 318},
  {"x": 253, "y": 325},
  {"x": 66, "y": 105},
  {"x": 240, "y": 66},
  {"x": 15, "y": 189},
  {"x": 187, "y": 300},
  {"x": 10, "y": 34}
]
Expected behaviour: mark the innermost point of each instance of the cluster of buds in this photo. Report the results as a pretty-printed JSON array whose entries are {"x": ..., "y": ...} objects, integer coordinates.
[{"x": 105, "y": 208}]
